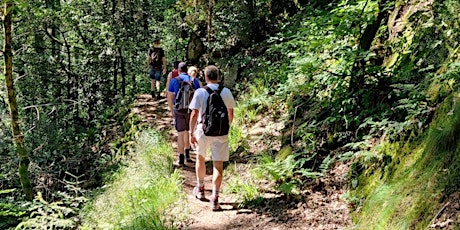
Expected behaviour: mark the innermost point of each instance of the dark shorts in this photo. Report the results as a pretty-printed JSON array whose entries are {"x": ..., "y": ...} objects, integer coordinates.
[
  {"x": 155, "y": 74},
  {"x": 181, "y": 121}
]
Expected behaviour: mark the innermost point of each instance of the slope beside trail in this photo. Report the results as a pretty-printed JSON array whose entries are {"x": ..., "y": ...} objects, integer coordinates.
[{"x": 321, "y": 207}]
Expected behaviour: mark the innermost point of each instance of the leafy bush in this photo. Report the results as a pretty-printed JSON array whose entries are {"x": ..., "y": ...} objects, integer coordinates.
[
  {"x": 11, "y": 210},
  {"x": 56, "y": 214}
]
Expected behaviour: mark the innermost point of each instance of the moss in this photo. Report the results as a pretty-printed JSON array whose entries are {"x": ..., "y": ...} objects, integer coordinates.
[
  {"x": 284, "y": 153},
  {"x": 422, "y": 171}
]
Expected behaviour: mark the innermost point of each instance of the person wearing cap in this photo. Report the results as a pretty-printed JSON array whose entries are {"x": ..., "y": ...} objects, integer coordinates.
[
  {"x": 181, "y": 120},
  {"x": 156, "y": 63}
]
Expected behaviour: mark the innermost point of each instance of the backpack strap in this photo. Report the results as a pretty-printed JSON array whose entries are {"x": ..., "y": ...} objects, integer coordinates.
[
  {"x": 209, "y": 90},
  {"x": 180, "y": 86},
  {"x": 219, "y": 90},
  {"x": 221, "y": 87}
]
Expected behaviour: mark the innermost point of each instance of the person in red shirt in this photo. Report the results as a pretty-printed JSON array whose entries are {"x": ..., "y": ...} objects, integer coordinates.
[{"x": 174, "y": 73}]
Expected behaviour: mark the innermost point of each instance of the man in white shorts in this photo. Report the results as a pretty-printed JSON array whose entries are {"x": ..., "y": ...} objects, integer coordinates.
[{"x": 219, "y": 144}]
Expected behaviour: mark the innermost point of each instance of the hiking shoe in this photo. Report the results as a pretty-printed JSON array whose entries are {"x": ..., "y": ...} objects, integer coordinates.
[
  {"x": 187, "y": 157},
  {"x": 159, "y": 97},
  {"x": 214, "y": 201},
  {"x": 181, "y": 160},
  {"x": 153, "y": 94},
  {"x": 199, "y": 193}
]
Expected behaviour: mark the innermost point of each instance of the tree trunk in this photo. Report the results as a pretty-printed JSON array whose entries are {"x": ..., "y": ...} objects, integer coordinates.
[
  {"x": 145, "y": 19},
  {"x": 8, "y": 71},
  {"x": 115, "y": 76},
  {"x": 210, "y": 15},
  {"x": 365, "y": 42},
  {"x": 123, "y": 72}
]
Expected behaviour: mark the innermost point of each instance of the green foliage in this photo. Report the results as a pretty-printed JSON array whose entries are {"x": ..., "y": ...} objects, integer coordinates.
[
  {"x": 52, "y": 215},
  {"x": 287, "y": 173},
  {"x": 246, "y": 190},
  {"x": 11, "y": 210},
  {"x": 75, "y": 69},
  {"x": 407, "y": 172},
  {"x": 77, "y": 63},
  {"x": 143, "y": 193},
  {"x": 410, "y": 68}
]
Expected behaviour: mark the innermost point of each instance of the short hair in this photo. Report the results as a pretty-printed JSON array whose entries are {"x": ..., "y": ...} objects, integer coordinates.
[
  {"x": 182, "y": 67},
  {"x": 212, "y": 72}
]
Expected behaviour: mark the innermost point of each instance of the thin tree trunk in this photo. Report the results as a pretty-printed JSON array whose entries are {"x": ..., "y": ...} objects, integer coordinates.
[
  {"x": 8, "y": 71},
  {"x": 145, "y": 19},
  {"x": 210, "y": 15},
  {"x": 123, "y": 72},
  {"x": 115, "y": 76},
  {"x": 365, "y": 42}
]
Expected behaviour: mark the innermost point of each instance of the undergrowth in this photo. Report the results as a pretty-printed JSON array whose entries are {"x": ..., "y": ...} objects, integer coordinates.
[
  {"x": 384, "y": 127},
  {"x": 420, "y": 173},
  {"x": 144, "y": 194}
]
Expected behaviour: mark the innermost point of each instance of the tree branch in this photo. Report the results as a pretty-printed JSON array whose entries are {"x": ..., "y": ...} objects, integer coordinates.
[{"x": 53, "y": 38}]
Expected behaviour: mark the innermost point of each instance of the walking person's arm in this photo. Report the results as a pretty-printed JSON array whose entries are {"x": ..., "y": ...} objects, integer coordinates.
[
  {"x": 193, "y": 120},
  {"x": 170, "y": 96},
  {"x": 164, "y": 64},
  {"x": 168, "y": 81},
  {"x": 170, "y": 102},
  {"x": 230, "y": 103},
  {"x": 148, "y": 61},
  {"x": 230, "y": 116}
]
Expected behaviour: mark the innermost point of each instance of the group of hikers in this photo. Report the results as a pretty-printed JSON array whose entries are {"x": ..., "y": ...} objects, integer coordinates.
[{"x": 202, "y": 116}]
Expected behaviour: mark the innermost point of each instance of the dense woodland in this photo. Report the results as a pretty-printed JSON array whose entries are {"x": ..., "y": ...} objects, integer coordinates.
[{"x": 372, "y": 83}]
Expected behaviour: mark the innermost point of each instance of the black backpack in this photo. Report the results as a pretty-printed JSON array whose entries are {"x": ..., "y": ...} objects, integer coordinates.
[
  {"x": 215, "y": 119},
  {"x": 184, "y": 95},
  {"x": 156, "y": 55}
]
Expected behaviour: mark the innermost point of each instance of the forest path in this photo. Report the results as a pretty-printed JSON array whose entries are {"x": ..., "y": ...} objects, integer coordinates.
[
  {"x": 156, "y": 114},
  {"x": 321, "y": 207}
]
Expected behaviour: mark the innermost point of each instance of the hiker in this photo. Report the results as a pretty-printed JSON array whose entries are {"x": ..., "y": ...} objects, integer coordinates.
[
  {"x": 193, "y": 72},
  {"x": 156, "y": 61},
  {"x": 174, "y": 73},
  {"x": 203, "y": 134},
  {"x": 179, "y": 110}
]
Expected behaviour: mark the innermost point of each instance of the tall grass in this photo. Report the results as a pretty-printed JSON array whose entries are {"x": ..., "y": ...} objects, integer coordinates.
[{"x": 143, "y": 193}]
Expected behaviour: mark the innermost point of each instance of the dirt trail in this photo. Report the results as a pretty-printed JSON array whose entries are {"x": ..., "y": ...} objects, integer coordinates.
[{"x": 321, "y": 207}]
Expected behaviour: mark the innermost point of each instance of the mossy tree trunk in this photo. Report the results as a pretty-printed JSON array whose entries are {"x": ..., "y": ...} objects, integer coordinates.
[
  {"x": 365, "y": 42},
  {"x": 8, "y": 71}
]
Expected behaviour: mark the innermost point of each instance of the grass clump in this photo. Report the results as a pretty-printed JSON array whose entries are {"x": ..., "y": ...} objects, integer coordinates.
[
  {"x": 246, "y": 190},
  {"x": 142, "y": 194}
]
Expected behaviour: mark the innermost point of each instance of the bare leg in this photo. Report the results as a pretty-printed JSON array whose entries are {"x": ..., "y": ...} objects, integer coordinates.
[
  {"x": 158, "y": 87},
  {"x": 180, "y": 141},
  {"x": 200, "y": 167},
  {"x": 186, "y": 140},
  {"x": 217, "y": 173}
]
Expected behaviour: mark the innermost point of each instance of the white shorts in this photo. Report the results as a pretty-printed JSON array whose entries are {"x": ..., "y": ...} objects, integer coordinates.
[{"x": 219, "y": 145}]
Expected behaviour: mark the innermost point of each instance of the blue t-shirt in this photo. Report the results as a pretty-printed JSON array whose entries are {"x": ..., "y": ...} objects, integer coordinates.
[{"x": 174, "y": 85}]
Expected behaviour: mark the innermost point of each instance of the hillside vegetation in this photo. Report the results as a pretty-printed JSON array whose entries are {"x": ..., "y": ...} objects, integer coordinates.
[
  {"x": 369, "y": 84},
  {"x": 390, "y": 109}
]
